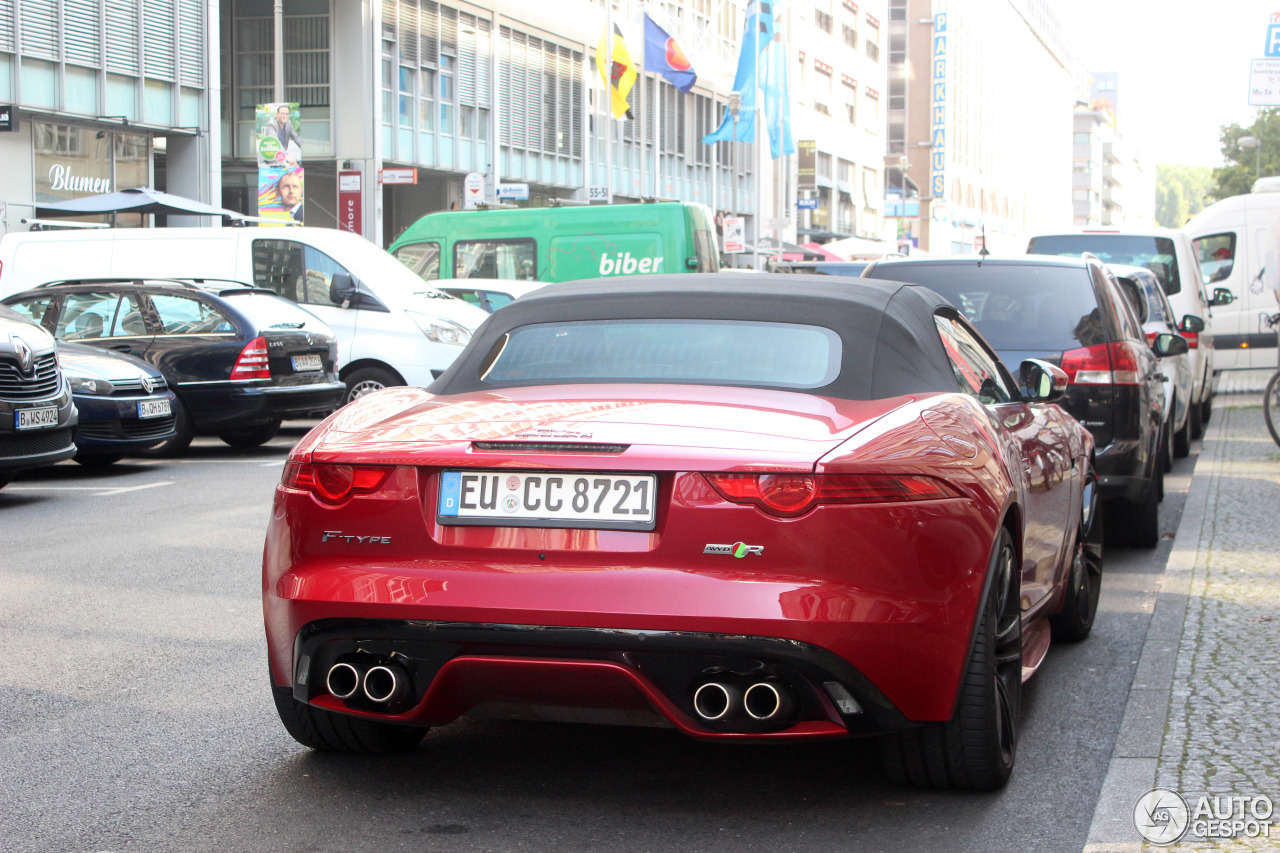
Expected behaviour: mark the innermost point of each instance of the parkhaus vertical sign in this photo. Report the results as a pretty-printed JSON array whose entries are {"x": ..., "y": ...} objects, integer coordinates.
[{"x": 938, "y": 122}]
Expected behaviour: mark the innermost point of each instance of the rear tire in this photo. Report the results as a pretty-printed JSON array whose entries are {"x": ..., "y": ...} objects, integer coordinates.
[
  {"x": 249, "y": 437},
  {"x": 1182, "y": 438},
  {"x": 1166, "y": 445},
  {"x": 183, "y": 433},
  {"x": 1080, "y": 605},
  {"x": 1196, "y": 417},
  {"x": 1206, "y": 409},
  {"x": 975, "y": 749},
  {"x": 1143, "y": 519},
  {"x": 330, "y": 732}
]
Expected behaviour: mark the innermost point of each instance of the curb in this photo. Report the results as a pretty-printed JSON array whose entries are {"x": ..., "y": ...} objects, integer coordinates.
[{"x": 1135, "y": 758}]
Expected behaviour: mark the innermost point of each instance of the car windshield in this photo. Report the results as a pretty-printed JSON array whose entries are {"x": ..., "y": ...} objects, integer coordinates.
[
  {"x": 1015, "y": 306},
  {"x": 703, "y": 352},
  {"x": 1154, "y": 253},
  {"x": 269, "y": 311}
]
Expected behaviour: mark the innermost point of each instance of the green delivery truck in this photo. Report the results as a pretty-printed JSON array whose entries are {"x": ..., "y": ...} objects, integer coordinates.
[{"x": 561, "y": 243}]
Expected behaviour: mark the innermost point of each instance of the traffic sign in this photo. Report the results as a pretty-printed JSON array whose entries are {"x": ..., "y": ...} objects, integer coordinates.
[
  {"x": 513, "y": 192},
  {"x": 734, "y": 235},
  {"x": 807, "y": 203},
  {"x": 1264, "y": 83},
  {"x": 472, "y": 190},
  {"x": 398, "y": 176}
]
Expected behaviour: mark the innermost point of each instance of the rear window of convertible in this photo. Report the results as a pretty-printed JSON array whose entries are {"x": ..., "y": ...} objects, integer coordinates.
[{"x": 701, "y": 352}]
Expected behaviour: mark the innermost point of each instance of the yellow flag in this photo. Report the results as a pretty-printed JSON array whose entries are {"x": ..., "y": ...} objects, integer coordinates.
[{"x": 622, "y": 76}]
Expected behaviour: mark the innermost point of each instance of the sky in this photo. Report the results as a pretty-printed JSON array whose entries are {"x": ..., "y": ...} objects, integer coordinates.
[{"x": 1183, "y": 66}]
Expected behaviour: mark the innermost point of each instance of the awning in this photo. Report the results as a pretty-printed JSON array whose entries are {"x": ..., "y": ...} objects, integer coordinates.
[{"x": 137, "y": 200}]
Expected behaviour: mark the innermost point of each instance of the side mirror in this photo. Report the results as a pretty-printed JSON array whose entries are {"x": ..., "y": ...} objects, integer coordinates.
[
  {"x": 1221, "y": 296},
  {"x": 344, "y": 289},
  {"x": 1041, "y": 381},
  {"x": 1191, "y": 323},
  {"x": 1167, "y": 344}
]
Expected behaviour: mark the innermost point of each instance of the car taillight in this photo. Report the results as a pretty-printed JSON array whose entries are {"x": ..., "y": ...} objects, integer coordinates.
[
  {"x": 1193, "y": 339},
  {"x": 252, "y": 363},
  {"x": 1151, "y": 338},
  {"x": 333, "y": 484},
  {"x": 789, "y": 495},
  {"x": 1105, "y": 364}
]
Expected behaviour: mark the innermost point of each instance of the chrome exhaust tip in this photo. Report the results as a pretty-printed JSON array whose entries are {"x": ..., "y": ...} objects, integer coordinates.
[
  {"x": 343, "y": 680},
  {"x": 384, "y": 684},
  {"x": 716, "y": 701},
  {"x": 768, "y": 700}
]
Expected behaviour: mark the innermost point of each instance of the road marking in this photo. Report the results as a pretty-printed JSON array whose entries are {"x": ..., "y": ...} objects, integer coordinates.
[{"x": 121, "y": 491}]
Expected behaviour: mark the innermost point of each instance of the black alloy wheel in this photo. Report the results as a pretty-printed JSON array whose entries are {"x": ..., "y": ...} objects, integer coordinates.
[{"x": 1084, "y": 583}]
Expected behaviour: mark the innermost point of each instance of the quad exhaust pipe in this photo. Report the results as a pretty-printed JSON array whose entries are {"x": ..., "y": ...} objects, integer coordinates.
[
  {"x": 762, "y": 701},
  {"x": 382, "y": 684}
]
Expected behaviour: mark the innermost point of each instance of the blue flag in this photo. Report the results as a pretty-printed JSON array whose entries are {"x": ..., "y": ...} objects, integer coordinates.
[
  {"x": 762, "y": 52},
  {"x": 663, "y": 54}
]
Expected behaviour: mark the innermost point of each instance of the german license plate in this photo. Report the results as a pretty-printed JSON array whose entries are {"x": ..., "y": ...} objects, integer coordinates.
[
  {"x": 36, "y": 418},
  {"x": 574, "y": 499},
  {"x": 305, "y": 363},
  {"x": 154, "y": 408}
]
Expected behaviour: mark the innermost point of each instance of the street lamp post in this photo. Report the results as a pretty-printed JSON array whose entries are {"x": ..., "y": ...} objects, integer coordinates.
[
  {"x": 902, "y": 199},
  {"x": 735, "y": 104},
  {"x": 1256, "y": 144}
]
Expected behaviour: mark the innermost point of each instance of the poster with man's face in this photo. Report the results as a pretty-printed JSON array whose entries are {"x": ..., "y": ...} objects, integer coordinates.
[{"x": 279, "y": 153}]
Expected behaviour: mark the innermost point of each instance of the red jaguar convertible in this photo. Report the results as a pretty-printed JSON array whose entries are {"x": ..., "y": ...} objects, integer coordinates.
[{"x": 746, "y": 507}]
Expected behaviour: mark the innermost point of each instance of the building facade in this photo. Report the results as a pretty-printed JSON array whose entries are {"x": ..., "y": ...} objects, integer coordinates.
[
  {"x": 981, "y": 98},
  {"x": 105, "y": 96}
]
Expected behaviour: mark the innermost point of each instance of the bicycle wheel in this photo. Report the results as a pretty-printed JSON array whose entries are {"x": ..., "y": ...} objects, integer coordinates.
[{"x": 1271, "y": 406}]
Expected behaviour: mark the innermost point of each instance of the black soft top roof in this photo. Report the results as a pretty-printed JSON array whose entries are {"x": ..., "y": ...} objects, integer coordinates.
[{"x": 889, "y": 340}]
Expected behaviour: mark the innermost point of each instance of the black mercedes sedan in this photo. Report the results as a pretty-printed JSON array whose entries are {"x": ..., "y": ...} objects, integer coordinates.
[
  {"x": 240, "y": 359},
  {"x": 1072, "y": 313}
]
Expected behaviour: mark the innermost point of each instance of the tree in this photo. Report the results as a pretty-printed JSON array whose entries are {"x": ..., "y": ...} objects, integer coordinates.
[
  {"x": 1244, "y": 165},
  {"x": 1181, "y": 193}
]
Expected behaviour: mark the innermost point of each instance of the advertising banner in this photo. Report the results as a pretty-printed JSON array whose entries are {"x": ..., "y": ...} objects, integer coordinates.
[{"x": 279, "y": 151}]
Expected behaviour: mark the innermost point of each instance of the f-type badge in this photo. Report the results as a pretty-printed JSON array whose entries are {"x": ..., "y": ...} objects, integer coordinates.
[{"x": 737, "y": 549}]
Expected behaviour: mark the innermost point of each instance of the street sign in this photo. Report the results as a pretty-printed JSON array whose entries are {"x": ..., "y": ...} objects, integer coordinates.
[
  {"x": 1264, "y": 83},
  {"x": 1273, "y": 39},
  {"x": 734, "y": 235},
  {"x": 472, "y": 190},
  {"x": 350, "y": 208},
  {"x": 398, "y": 176},
  {"x": 513, "y": 192},
  {"x": 807, "y": 203}
]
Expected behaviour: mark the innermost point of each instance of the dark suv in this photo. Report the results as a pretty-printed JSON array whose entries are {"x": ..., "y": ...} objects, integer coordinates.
[
  {"x": 239, "y": 358},
  {"x": 37, "y": 416},
  {"x": 1072, "y": 312}
]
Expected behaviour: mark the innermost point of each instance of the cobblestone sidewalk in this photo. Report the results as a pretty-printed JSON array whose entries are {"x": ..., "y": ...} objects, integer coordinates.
[{"x": 1203, "y": 716}]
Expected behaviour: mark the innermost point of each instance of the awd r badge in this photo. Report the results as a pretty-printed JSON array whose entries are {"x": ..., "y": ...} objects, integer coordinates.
[{"x": 737, "y": 549}]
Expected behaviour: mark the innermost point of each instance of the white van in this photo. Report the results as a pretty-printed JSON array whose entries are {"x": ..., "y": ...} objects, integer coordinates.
[
  {"x": 395, "y": 329},
  {"x": 1238, "y": 243}
]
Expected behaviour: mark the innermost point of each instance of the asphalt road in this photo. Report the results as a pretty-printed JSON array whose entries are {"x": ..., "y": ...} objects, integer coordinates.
[{"x": 135, "y": 713}]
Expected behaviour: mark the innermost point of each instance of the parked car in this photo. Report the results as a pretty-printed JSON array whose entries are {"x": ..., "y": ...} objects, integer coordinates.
[
  {"x": 489, "y": 294},
  {"x": 392, "y": 328},
  {"x": 37, "y": 415},
  {"x": 1157, "y": 318},
  {"x": 681, "y": 501},
  {"x": 1172, "y": 257},
  {"x": 1237, "y": 241},
  {"x": 125, "y": 404},
  {"x": 1072, "y": 313},
  {"x": 238, "y": 358}
]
